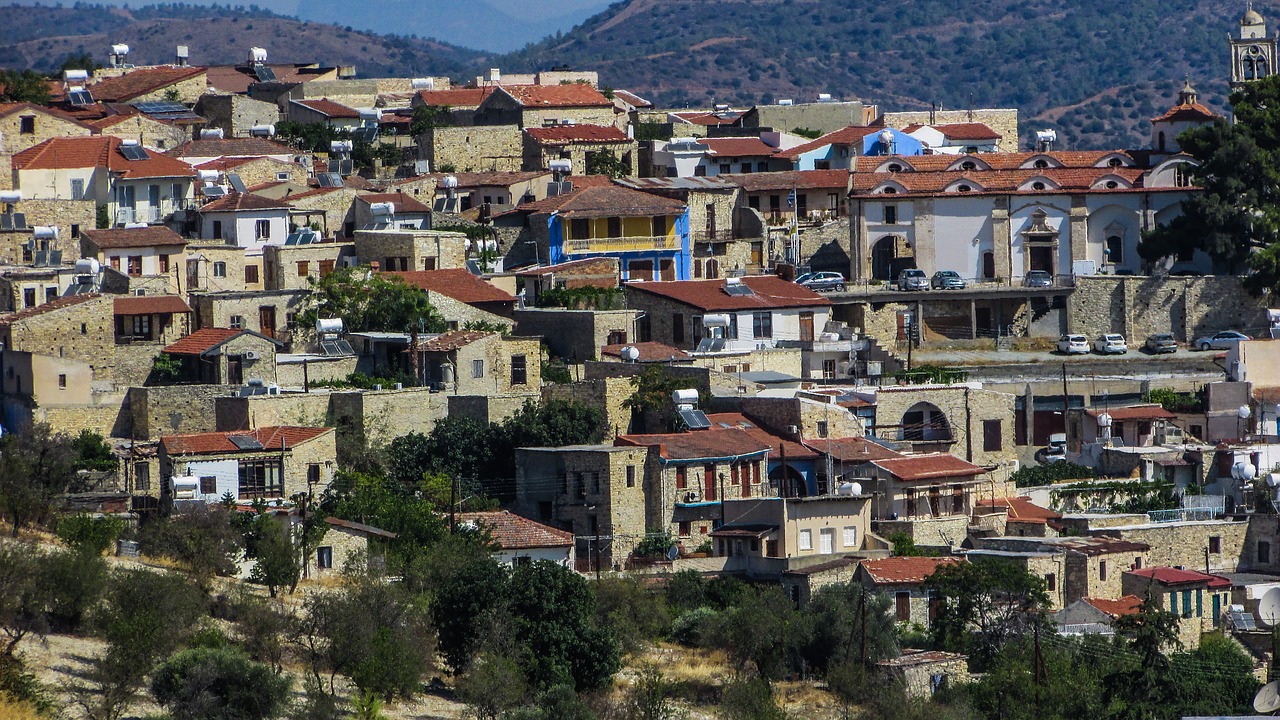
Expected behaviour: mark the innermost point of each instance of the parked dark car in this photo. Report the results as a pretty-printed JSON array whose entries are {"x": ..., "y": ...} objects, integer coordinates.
[
  {"x": 1038, "y": 278},
  {"x": 1161, "y": 343},
  {"x": 947, "y": 280}
]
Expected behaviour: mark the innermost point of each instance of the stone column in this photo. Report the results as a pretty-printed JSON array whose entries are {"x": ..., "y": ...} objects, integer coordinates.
[
  {"x": 1001, "y": 239},
  {"x": 857, "y": 242},
  {"x": 1079, "y": 237}
]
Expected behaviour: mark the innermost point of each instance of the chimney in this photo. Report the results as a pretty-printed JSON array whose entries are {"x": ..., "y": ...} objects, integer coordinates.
[{"x": 184, "y": 53}]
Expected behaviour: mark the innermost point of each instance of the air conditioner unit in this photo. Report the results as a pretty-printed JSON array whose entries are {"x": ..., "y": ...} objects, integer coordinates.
[
  {"x": 692, "y": 496},
  {"x": 251, "y": 355}
]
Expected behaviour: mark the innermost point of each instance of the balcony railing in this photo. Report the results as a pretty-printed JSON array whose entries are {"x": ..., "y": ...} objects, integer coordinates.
[
  {"x": 707, "y": 236},
  {"x": 622, "y": 244}
]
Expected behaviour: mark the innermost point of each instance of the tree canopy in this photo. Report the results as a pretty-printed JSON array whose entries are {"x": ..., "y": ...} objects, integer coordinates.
[{"x": 366, "y": 300}]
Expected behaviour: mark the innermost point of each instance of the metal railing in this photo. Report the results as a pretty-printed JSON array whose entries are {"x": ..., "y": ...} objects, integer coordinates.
[
  {"x": 871, "y": 285},
  {"x": 617, "y": 244}
]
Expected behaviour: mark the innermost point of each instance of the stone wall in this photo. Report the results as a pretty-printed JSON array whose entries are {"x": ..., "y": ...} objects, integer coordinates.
[
  {"x": 1184, "y": 543},
  {"x": 538, "y": 156},
  {"x": 337, "y": 205},
  {"x": 291, "y": 374},
  {"x": 826, "y": 248},
  {"x": 780, "y": 413},
  {"x": 935, "y": 533},
  {"x": 1187, "y": 307},
  {"x": 47, "y": 126},
  {"x": 217, "y": 309},
  {"x": 173, "y": 409},
  {"x": 458, "y": 313},
  {"x": 1003, "y": 121},
  {"x": 490, "y": 408},
  {"x": 965, "y": 409},
  {"x": 606, "y": 393},
  {"x": 69, "y": 216},
  {"x": 84, "y": 331},
  {"x": 149, "y": 133},
  {"x": 575, "y": 334},
  {"x": 493, "y": 148},
  {"x": 235, "y": 114},
  {"x": 295, "y": 267},
  {"x": 419, "y": 249}
]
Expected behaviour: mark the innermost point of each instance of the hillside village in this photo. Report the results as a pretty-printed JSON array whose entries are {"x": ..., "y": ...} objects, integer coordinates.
[{"x": 524, "y": 396}]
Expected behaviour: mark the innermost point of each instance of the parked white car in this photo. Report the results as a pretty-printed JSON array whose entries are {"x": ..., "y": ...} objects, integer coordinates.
[
  {"x": 1073, "y": 345},
  {"x": 1111, "y": 344}
]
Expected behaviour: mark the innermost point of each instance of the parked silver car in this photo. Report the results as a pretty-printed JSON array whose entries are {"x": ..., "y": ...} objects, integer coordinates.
[
  {"x": 1224, "y": 340},
  {"x": 913, "y": 279}
]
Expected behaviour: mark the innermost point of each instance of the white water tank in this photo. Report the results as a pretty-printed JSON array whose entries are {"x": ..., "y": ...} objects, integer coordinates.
[
  {"x": 120, "y": 49},
  {"x": 340, "y": 146},
  {"x": 686, "y": 396},
  {"x": 75, "y": 75},
  {"x": 849, "y": 489},
  {"x": 88, "y": 266},
  {"x": 11, "y": 196},
  {"x": 382, "y": 209},
  {"x": 449, "y": 181},
  {"x": 630, "y": 353},
  {"x": 212, "y": 134},
  {"x": 423, "y": 83},
  {"x": 45, "y": 232},
  {"x": 257, "y": 55},
  {"x": 261, "y": 131},
  {"x": 328, "y": 326}
]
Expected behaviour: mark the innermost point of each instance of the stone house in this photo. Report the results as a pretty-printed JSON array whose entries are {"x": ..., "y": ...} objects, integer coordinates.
[
  {"x": 17, "y": 235},
  {"x": 246, "y": 221},
  {"x": 272, "y": 313},
  {"x": 408, "y": 212},
  {"x": 460, "y": 102},
  {"x": 214, "y": 266},
  {"x": 838, "y": 149},
  {"x": 534, "y": 106},
  {"x": 236, "y": 115},
  {"x": 765, "y": 537},
  {"x": 1119, "y": 441},
  {"x": 692, "y": 471},
  {"x": 1223, "y": 545},
  {"x": 520, "y": 540},
  {"x": 602, "y": 272},
  {"x": 345, "y": 541},
  {"x": 296, "y": 267},
  {"x": 1047, "y": 563},
  {"x": 257, "y": 171},
  {"x": 801, "y": 584},
  {"x": 578, "y": 335},
  {"x": 411, "y": 249},
  {"x": 147, "y": 131},
  {"x": 579, "y": 144},
  {"x": 24, "y": 125},
  {"x": 77, "y": 328},
  {"x": 26, "y": 287},
  {"x": 136, "y": 185},
  {"x": 819, "y": 195},
  {"x": 329, "y": 211},
  {"x": 903, "y": 578},
  {"x": 169, "y": 83},
  {"x": 151, "y": 319},
  {"x": 1088, "y": 616},
  {"x": 963, "y": 419},
  {"x": 1198, "y": 599},
  {"x": 473, "y": 149},
  {"x": 930, "y": 497},
  {"x": 221, "y": 356},
  {"x": 203, "y": 150},
  {"x": 270, "y": 463},
  {"x": 501, "y": 189},
  {"x": 149, "y": 256},
  {"x": 468, "y": 362},
  {"x": 462, "y": 297},
  {"x": 323, "y": 111},
  {"x": 923, "y": 673},
  {"x": 595, "y": 491}
]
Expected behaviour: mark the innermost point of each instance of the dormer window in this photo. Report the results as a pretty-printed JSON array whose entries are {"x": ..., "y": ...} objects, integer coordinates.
[
  {"x": 1041, "y": 164},
  {"x": 1114, "y": 162},
  {"x": 964, "y": 188},
  {"x": 895, "y": 168},
  {"x": 1037, "y": 185},
  {"x": 890, "y": 191},
  {"x": 1112, "y": 184},
  {"x": 968, "y": 165}
]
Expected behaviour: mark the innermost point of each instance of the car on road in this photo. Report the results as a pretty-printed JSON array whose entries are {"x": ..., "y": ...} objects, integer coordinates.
[
  {"x": 822, "y": 281},
  {"x": 1111, "y": 344},
  {"x": 1073, "y": 345},
  {"x": 1224, "y": 340},
  {"x": 913, "y": 279},
  {"x": 946, "y": 280},
  {"x": 1055, "y": 451},
  {"x": 1160, "y": 343},
  {"x": 1038, "y": 278}
]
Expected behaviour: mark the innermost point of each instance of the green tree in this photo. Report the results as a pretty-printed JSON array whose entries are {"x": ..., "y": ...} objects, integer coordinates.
[
  {"x": 466, "y": 604},
  {"x": 24, "y": 86},
  {"x": 78, "y": 61},
  {"x": 204, "y": 540},
  {"x": 426, "y": 117},
  {"x": 651, "y": 397},
  {"x": 72, "y": 583},
  {"x": 558, "y": 703},
  {"x": 367, "y": 300},
  {"x": 762, "y": 630},
  {"x": 85, "y": 533},
  {"x": 1141, "y": 690},
  {"x": 277, "y": 565},
  {"x": 839, "y": 617},
  {"x": 493, "y": 685},
  {"x": 552, "y": 620},
  {"x": 1215, "y": 679},
  {"x": 218, "y": 684},
  {"x": 632, "y": 610},
  {"x": 605, "y": 162},
  {"x": 385, "y": 503},
  {"x": 983, "y": 605},
  {"x": 750, "y": 699},
  {"x": 93, "y": 452},
  {"x": 21, "y": 600},
  {"x": 37, "y": 466}
]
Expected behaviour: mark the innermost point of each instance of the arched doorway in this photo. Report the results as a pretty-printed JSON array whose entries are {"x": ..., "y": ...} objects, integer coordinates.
[
  {"x": 924, "y": 422},
  {"x": 788, "y": 481},
  {"x": 890, "y": 256}
]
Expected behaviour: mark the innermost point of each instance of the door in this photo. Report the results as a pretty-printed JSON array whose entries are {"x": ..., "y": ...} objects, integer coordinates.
[
  {"x": 666, "y": 270},
  {"x": 988, "y": 265},
  {"x": 757, "y": 254},
  {"x": 827, "y": 541},
  {"x": 153, "y": 199},
  {"x": 709, "y": 482},
  {"x": 267, "y": 320},
  {"x": 711, "y": 221},
  {"x": 902, "y": 606},
  {"x": 640, "y": 270},
  {"x": 806, "y": 326},
  {"x": 1042, "y": 258},
  {"x": 235, "y": 370}
]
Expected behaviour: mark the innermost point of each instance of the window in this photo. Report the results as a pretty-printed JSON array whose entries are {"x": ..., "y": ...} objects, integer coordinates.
[
  {"x": 850, "y": 538},
  {"x": 217, "y": 229},
  {"x": 1037, "y": 185},
  {"x": 1102, "y": 569},
  {"x": 304, "y": 268},
  {"x": 324, "y": 558},
  {"x": 250, "y": 274},
  {"x": 27, "y": 125},
  {"x": 282, "y": 176},
  {"x": 75, "y": 231},
  {"x": 51, "y": 293},
  {"x": 579, "y": 229},
  {"x": 135, "y": 265},
  {"x": 1041, "y": 164},
  {"x": 235, "y": 322},
  {"x": 992, "y": 436},
  {"x": 827, "y": 541},
  {"x": 519, "y": 375},
  {"x": 208, "y": 485},
  {"x": 806, "y": 539},
  {"x": 262, "y": 230},
  {"x": 615, "y": 227},
  {"x": 142, "y": 326},
  {"x": 1215, "y": 544},
  {"x": 762, "y": 324},
  {"x": 829, "y": 369},
  {"x": 1051, "y": 582},
  {"x": 725, "y": 169},
  {"x": 677, "y": 327},
  {"x": 822, "y": 428},
  {"x": 261, "y": 478},
  {"x": 84, "y": 328},
  {"x": 1186, "y": 603},
  {"x": 1181, "y": 175},
  {"x": 660, "y": 226},
  {"x": 1264, "y": 551},
  {"x": 1115, "y": 249},
  {"x": 62, "y": 382},
  {"x": 631, "y": 476},
  {"x": 164, "y": 264},
  {"x": 682, "y": 477},
  {"x": 685, "y": 529},
  {"x": 313, "y": 474},
  {"x": 77, "y": 188},
  {"x": 890, "y": 214},
  {"x": 29, "y": 297},
  {"x": 219, "y": 269},
  {"x": 1137, "y": 563}
]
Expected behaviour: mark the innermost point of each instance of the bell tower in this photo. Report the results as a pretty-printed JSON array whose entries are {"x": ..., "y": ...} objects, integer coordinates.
[{"x": 1253, "y": 54}]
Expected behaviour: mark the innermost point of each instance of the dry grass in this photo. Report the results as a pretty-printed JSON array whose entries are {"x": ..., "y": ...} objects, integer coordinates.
[{"x": 14, "y": 710}]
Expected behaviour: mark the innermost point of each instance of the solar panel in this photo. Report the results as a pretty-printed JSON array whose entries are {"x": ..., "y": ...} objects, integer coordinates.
[
  {"x": 1243, "y": 621},
  {"x": 234, "y": 180},
  {"x": 6, "y": 222},
  {"x": 213, "y": 191},
  {"x": 80, "y": 98},
  {"x": 245, "y": 442},
  {"x": 704, "y": 345},
  {"x": 738, "y": 290},
  {"x": 695, "y": 419},
  {"x": 329, "y": 179},
  {"x": 336, "y": 348},
  {"x": 19, "y": 221},
  {"x": 133, "y": 152},
  {"x": 160, "y": 107},
  {"x": 365, "y": 134},
  {"x": 717, "y": 344},
  {"x": 264, "y": 73}
]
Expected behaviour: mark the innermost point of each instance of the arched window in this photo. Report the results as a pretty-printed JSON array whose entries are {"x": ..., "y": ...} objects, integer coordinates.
[
  {"x": 1114, "y": 162},
  {"x": 1181, "y": 175},
  {"x": 964, "y": 188},
  {"x": 925, "y": 422},
  {"x": 1042, "y": 163},
  {"x": 1112, "y": 184},
  {"x": 895, "y": 168},
  {"x": 713, "y": 269},
  {"x": 1037, "y": 185},
  {"x": 890, "y": 191},
  {"x": 1160, "y": 141},
  {"x": 968, "y": 165},
  {"x": 1115, "y": 249}
]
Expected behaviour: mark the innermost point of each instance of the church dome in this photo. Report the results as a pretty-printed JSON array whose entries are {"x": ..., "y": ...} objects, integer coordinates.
[{"x": 1252, "y": 17}]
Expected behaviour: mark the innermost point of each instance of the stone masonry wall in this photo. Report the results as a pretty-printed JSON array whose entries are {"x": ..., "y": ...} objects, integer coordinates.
[
  {"x": 84, "y": 331},
  {"x": 1187, "y": 307},
  {"x": 1184, "y": 543},
  {"x": 171, "y": 409},
  {"x": 1003, "y": 121},
  {"x": 495, "y": 148},
  {"x": 69, "y": 216},
  {"x": 608, "y": 394}
]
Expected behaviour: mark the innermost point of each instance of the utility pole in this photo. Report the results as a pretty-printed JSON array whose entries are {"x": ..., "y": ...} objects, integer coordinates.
[
  {"x": 862, "y": 609},
  {"x": 453, "y": 505},
  {"x": 1066, "y": 399}
]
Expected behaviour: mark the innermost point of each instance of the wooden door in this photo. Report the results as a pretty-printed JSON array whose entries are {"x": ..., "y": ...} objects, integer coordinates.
[
  {"x": 666, "y": 270},
  {"x": 267, "y": 320},
  {"x": 709, "y": 482},
  {"x": 902, "y": 606},
  {"x": 235, "y": 371},
  {"x": 806, "y": 326}
]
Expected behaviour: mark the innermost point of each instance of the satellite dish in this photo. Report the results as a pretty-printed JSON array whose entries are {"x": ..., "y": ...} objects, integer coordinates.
[
  {"x": 1269, "y": 608},
  {"x": 1273, "y": 480},
  {"x": 1104, "y": 420},
  {"x": 1268, "y": 698},
  {"x": 1243, "y": 412},
  {"x": 673, "y": 552}
]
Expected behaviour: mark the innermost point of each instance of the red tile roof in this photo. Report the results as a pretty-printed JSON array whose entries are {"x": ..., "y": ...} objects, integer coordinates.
[
  {"x": 1136, "y": 412},
  {"x": 204, "y": 340},
  {"x": 514, "y": 532},
  {"x": 790, "y": 180},
  {"x": 928, "y": 467},
  {"x": 557, "y": 96},
  {"x": 1001, "y": 181},
  {"x": 150, "y": 236},
  {"x": 450, "y": 341},
  {"x": 140, "y": 82},
  {"x": 767, "y": 291},
  {"x": 649, "y": 352},
  {"x": 237, "y": 78},
  {"x": 150, "y": 305},
  {"x": 851, "y": 135},
  {"x": 738, "y": 147},
  {"x": 699, "y": 444},
  {"x": 606, "y": 201},
  {"x": 1021, "y": 509},
  {"x": 403, "y": 202},
  {"x": 231, "y": 147},
  {"x": 238, "y": 202},
  {"x": 1174, "y": 576},
  {"x": 7, "y": 109},
  {"x": 65, "y": 153},
  {"x": 1127, "y": 605},
  {"x": 455, "y": 97},
  {"x": 960, "y": 131},
  {"x": 852, "y": 450},
  {"x": 777, "y": 444},
  {"x": 997, "y": 161},
  {"x": 577, "y": 133},
  {"x": 458, "y": 284},
  {"x": 1192, "y": 112},
  {"x": 709, "y": 118},
  {"x": 329, "y": 108},
  {"x": 279, "y": 437},
  {"x": 54, "y": 305},
  {"x": 905, "y": 570}
]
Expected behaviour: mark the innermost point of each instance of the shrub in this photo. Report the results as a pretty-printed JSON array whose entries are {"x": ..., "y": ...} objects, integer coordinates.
[
  {"x": 693, "y": 627},
  {"x": 218, "y": 684},
  {"x": 1050, "y": 473},
  {"x": 654, "y": 545},
  {"x": 89, "y": 534},
  {"x": 203, "y": 540}
]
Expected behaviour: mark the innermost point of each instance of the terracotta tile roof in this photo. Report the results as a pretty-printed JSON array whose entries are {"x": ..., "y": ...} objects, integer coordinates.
[
  {"x": 103, "y": 123},
  {"x": 237, "y": 79},
  {"x": 709, "y": 118},
  {"x": 1001, "y": 181},
  {"x": 852, "y": 449},
  {"x": 150, "y": 305},
  {"x": 65, "y": 153},
  {"x": 905, "y": 570},
  {"x": 514, "y": 532},
  {"x": 231, "y": 147},
  {"x": 577, "y": 133},
  {"x": 455, "y": 97},
  {"x": 54, "y": 305},
  {"x": 807, "y": 570},
  {"x": 790, "y": 179},
  {"x": 606, "y": 201},
  {"x": 328, "y": 108},
  {"x": 582, "y": 182},
  {"x": 768, "y": 291},
  {"x": 1136, "y": 412},
  {"x": 960, "y": 131},
  {"x": 851, "y": 135},
  {"x": 361, "y": 528},
  {"x": 224, "y": 164},
  {"x": 1174, "y": 576},
  {"x": 450, "y": 341},
  {"x": 542, "y": 270},
  {"x": 999, "y": 161},
  {"x": 458, "y": 284},
  {"x": 928, "y": 467},
  {"x": 632, "y": 99},
  {"x": 1127, "y": 605},
  {"x": 649, "y": 352},
  {"x": 1021, "y": 509},
  {"x": 150, "y": 236},
  {"x": 204, "y": 340},
  {"x": 403, "y": 202},
  {"x": 738, "y": 147},
  {"x": 242, "y": 202},
  {"x": 140, "y": 82},
  {"x": 278, "y": 437},
  {"x": 557, "y": 96},
  {"x": 699, "y": 444},
  {"x": 777, "y": 444},
  {"x": 1099, "y": 544},
  {"x": 7, "y": 109},
  {"x": 1191, "y": 112}
]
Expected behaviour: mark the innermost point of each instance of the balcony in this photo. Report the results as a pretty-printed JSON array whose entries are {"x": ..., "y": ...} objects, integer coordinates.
[
  {"x": 714, "y": 236},
  {"x": 621, "y": 244}
]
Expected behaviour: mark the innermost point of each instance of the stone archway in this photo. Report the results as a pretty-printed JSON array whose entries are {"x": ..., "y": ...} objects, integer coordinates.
[
  {"x": 891, "y": 255},
  {"x": 924, "y": 422}
]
